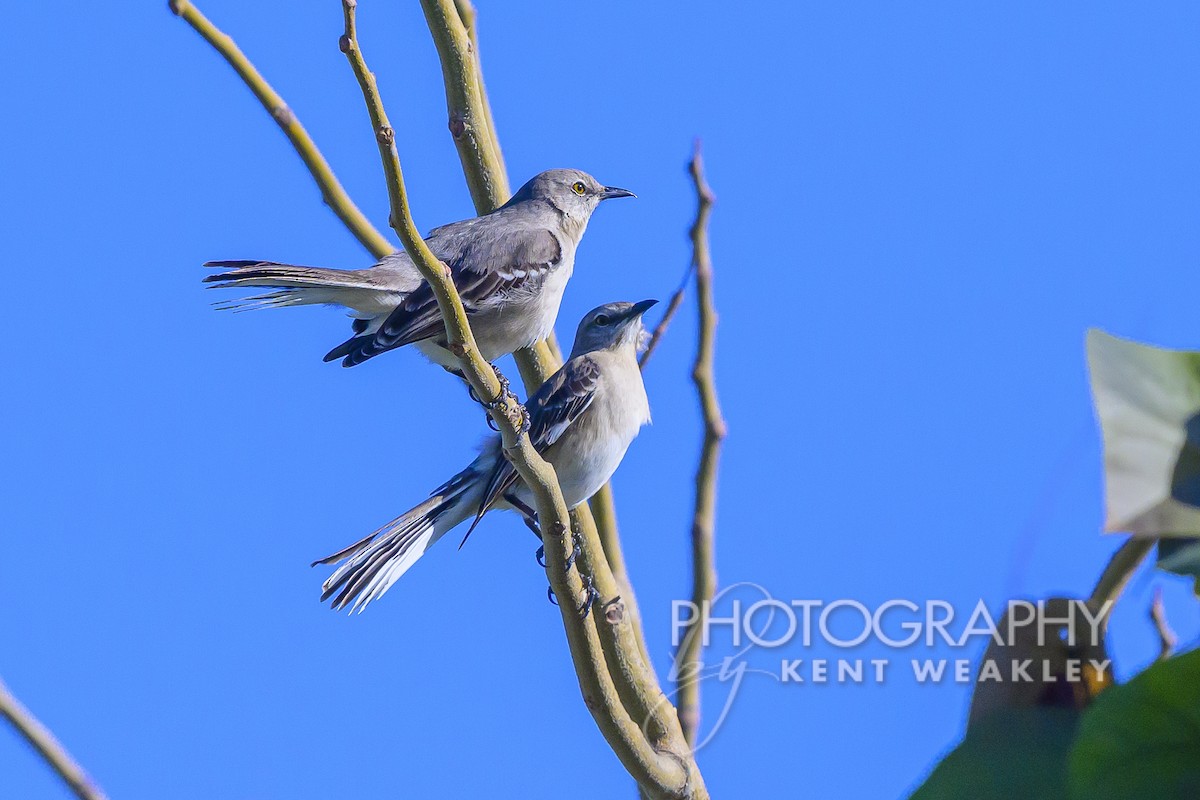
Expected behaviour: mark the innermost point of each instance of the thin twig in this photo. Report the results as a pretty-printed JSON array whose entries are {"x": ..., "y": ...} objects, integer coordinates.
[
  {"x": 1166, "y": 637},
  {"x": 704, "y": 576},
  {"x": 669, "y": 314},
  {"x": 331, "y": 189},
  {"x": 42, "y": 740},
  {"x": 1120, "y": 568}
]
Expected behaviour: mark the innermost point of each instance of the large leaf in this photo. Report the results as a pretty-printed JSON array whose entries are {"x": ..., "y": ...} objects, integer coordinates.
[
  {"x": 1013, "y": 754},
  {"x": 1142, "y": 739},
  {"x": 1148, "y": 402}
]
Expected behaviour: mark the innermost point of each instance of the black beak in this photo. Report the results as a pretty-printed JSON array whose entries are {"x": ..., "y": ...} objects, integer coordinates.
[
  {"x": 613, "y": 191},
  {"x": 641, "y": 308}
]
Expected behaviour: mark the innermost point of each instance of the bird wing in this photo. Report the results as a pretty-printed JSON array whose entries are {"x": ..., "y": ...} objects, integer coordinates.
[
  {"x": 554, "y": 407},
  {"x": 486, "y": 265}
]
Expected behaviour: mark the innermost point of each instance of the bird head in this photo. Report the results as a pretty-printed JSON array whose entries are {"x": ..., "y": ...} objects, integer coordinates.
[
  {"x": 612, "y": 326},
  {"x": 573, "y": 192}
]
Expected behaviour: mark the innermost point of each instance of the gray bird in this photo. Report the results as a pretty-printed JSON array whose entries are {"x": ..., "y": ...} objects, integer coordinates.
[
  {"x": 582, "y": 420},
  {"x": 510, "y": 267}
]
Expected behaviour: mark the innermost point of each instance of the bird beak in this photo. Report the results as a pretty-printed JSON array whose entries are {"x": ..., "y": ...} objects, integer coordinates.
[
  {"x": 641, "y": 308},
  {"x": 613, "y": 191}
]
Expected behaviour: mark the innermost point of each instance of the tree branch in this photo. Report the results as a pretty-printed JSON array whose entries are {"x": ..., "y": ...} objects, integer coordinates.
[
  {"x": 42, "y": 740},
  {"x": 470, "y": 120},
  {"x": 331, "y": 189},
  {"x": 665, "y": 774},
  {"x": 704, "y": 577}
]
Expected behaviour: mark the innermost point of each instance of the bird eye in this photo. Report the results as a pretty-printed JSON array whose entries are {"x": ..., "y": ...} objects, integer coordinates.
[
  {"x": 578, "y": 188},
  {"x": 603, "y": 319}
]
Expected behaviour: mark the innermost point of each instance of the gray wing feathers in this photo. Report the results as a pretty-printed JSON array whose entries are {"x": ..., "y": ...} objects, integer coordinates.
[{"x": 488, "y": 267}]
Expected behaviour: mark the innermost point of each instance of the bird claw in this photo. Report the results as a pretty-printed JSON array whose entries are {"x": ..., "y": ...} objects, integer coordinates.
[
  {"x": 540, "y": 555},
  {"x": 591, "y": 595}
]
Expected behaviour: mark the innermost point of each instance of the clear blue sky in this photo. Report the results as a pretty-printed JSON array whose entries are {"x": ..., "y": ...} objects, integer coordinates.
[{"x": 921, "y": 210}]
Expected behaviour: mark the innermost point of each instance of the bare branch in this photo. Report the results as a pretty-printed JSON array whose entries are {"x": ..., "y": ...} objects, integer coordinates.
[
  {"x": 331, "y": 189},
  {"x": 1166, "y": 637},
  {"x": 704, "y": 576},
  {"x": 592, "y": 640},
  {"x": 669, "y": 314},
  {"x": 48, "y": 747}
]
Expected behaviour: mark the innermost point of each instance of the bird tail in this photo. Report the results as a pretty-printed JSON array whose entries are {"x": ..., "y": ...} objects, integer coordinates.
[
  {"x": 356, "y": 289},
  {"x": 373, "y": 564}
]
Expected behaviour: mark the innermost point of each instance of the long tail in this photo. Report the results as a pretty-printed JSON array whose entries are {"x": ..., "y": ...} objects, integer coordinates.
[
  {"x": 373, "y": 564},
  {"x": 364, "y": 291}
]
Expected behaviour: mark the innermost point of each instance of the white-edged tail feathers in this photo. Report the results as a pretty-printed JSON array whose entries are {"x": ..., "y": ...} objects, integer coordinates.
[
  {"x": 373, "y": 564},
  {"x": 363, "y": 291}
]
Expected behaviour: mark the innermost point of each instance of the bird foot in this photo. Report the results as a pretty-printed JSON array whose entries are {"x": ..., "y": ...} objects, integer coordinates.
[
  {"x": 506, "y": 395},
  {"x": 591, "y": 595},
  {"x": 576, "y": 549}
]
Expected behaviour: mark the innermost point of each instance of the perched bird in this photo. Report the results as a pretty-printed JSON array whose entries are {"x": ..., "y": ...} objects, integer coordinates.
[
  {"x": 510, "y": 267},
  {"x": 582, "y": 420}
]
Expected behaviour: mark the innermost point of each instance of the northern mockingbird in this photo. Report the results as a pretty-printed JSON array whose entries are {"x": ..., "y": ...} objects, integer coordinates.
[
  {"x": 581, "y": 420},
  {"x": 510, "y": 267}
]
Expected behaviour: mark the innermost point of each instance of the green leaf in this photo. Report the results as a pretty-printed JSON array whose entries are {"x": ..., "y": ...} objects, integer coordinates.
[
  {"x": 1148, "y": 403},
  {"x": 1012, "y": 753},
  {"x": 1142, "y": 739}
]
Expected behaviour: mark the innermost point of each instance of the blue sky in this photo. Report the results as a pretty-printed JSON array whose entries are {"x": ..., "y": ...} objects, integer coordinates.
[{"x": 921, "y": 210}]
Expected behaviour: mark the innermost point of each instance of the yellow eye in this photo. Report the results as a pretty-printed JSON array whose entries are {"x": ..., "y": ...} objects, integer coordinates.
[{"x": 578, "y": 188}]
